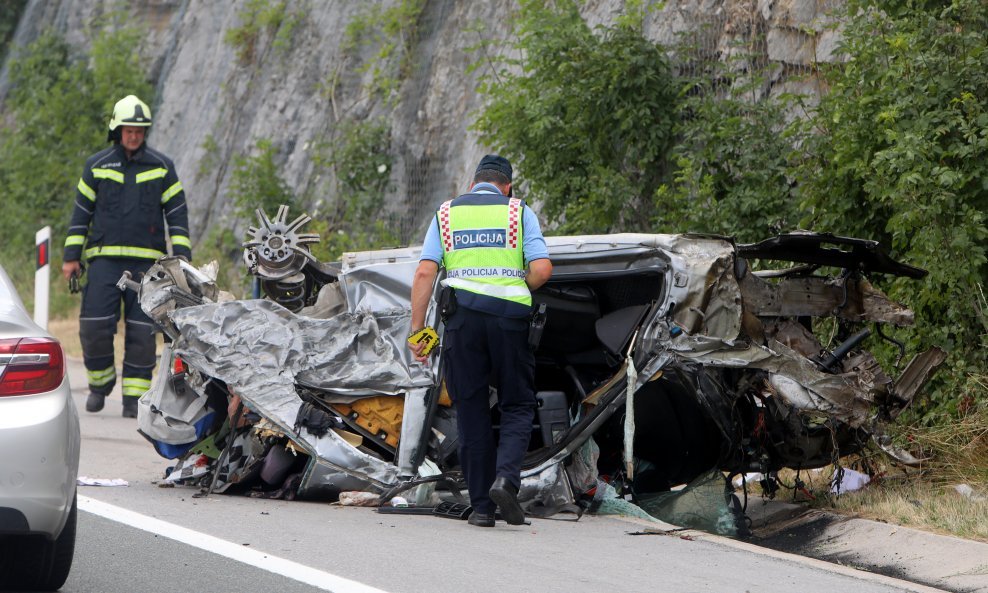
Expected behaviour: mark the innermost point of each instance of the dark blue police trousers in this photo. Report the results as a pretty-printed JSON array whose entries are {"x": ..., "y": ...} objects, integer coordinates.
[{"x": 479, "y": 350}]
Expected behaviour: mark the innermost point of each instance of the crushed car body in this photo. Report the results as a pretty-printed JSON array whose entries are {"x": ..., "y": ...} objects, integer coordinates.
[{"x": 659, "y": 359}]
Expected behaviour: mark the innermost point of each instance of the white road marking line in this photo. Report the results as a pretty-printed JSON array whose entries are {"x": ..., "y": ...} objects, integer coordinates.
[{"x": 287, "y": 568}]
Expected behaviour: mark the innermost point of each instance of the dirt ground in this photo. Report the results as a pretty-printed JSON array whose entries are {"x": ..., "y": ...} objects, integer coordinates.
[{"x": 67, "y": 332}]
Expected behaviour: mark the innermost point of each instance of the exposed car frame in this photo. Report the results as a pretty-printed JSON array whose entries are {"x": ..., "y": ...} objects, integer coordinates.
[{"x": 717, "y": 362}]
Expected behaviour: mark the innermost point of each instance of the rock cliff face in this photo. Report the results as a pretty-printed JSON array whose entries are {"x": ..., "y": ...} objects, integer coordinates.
[{"x": 212, "y": 105}]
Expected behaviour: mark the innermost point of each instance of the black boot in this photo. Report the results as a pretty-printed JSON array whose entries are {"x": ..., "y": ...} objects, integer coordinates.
[
  {"x": 505, "y": 496},
  {"x": 481, "y": 519},
  {"x": 94, "y": 403},
  {"x": 130, "y": 406}
]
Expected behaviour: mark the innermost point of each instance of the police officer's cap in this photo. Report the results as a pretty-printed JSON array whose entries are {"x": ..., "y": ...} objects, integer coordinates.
[{"x": 494, "y": 162}]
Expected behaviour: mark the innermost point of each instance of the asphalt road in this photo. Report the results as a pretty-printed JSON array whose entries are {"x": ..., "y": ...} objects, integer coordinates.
[
  {"x": 142, "y": 537},
  {"x": 115, "y": 558}
]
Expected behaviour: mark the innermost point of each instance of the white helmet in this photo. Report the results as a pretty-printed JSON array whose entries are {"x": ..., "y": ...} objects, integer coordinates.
[{"x": 130, "y": 111}]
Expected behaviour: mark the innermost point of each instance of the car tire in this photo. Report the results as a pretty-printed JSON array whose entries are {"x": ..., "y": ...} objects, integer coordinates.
[{"x": 42, "y": 564}]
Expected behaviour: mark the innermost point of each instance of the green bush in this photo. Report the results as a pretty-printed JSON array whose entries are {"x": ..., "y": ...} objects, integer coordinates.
[
  {"x": 897, "y": 154},
  {"x": 732, "y": 158},
  {"x": 353, "y": 222},
  {"x": 360, "y": 157},
  {"x": 894, "y": 152},
  {"x": 587, "y": 117},
  {"x": 256, "y": 183},
  {"x": 10, "y": 14}
]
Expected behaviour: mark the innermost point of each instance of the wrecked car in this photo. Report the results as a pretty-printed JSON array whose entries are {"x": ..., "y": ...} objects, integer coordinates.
[{"x": 660, "y": 359}]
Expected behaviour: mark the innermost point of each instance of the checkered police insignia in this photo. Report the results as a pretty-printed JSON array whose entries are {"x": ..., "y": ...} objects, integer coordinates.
[
  {"x": 444, "y": 231},
  {"x": 514, "y": 215}
]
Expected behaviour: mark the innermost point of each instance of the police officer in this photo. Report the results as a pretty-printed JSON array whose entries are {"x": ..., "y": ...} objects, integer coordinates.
[
  {"x": 126, "y": 194},
  {"x": 494, "y": 254}
]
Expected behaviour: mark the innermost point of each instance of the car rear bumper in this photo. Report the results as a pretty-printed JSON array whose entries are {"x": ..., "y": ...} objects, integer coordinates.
[{"x": 39, "y": 461}]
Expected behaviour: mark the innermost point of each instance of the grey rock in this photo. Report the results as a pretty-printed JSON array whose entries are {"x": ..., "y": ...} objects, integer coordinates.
[{"x": 297, "y": 92}]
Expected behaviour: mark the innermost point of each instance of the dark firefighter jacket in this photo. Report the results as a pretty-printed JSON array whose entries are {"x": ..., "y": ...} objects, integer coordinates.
[{"x": 121, "y": 206}]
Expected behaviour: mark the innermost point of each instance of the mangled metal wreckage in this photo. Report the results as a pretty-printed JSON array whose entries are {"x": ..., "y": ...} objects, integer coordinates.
[{"x": 661, "y": 358}]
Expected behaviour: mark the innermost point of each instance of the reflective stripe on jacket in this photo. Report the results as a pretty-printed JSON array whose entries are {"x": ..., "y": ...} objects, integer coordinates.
[
  {"x": 121, "y": 206},
  {"x": 483, "y": 253}
]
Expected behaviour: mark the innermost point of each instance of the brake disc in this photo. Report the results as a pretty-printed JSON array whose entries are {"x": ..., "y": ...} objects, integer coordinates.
[{"x": 277, "y": 249}]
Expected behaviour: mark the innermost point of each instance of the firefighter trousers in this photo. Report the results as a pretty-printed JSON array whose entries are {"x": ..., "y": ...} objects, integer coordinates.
[{"x": 101, "y": 306}]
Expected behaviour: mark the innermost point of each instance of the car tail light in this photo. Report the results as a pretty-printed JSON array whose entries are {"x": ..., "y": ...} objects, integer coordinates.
[{"x": 30, "y": 365}]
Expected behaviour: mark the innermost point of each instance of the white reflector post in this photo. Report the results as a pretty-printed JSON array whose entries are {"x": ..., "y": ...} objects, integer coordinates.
[{"x": 42, "y": 278}]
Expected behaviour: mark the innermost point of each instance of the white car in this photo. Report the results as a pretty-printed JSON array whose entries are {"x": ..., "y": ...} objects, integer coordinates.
[{"x": 39, "y": 452}]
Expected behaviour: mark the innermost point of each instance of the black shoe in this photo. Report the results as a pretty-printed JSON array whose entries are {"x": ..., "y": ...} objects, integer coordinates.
[
  {"x": 505, "y": 496},
  {"x": 94, "y": 403},
  {"x": 481, "y": 519},
  {"x": 129, "y": 407}
]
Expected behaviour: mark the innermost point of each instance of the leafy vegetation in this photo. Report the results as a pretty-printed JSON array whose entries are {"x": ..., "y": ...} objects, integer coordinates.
[
  {"x": 256, "y": 183},
  {"x": 608, "y": 139},
  {"x": 59, "y": 108},
  {"x": 731, "y": 158},
  {"x": 392, "y": 30},
  {"x": 586, "y": 117},
  {"x": 210, "y": 159},
  {"x": 360, "y": 158},
  {"x": 10, "y": 13},
  {"x": 259, "y": 17},
  {"x": 897, "y": 154}
]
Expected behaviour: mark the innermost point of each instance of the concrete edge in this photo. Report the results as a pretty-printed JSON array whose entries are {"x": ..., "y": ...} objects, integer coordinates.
[
  {"x": 659, "y": 528},
  {"x": 823, "y": 565}
]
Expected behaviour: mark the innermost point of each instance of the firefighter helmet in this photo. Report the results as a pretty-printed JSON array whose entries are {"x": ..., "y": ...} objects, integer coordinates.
[{"x": 130, "y": 111}]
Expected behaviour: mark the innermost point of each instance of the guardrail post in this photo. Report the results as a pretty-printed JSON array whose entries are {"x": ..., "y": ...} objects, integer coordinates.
[{"x": 42, "y": 277}]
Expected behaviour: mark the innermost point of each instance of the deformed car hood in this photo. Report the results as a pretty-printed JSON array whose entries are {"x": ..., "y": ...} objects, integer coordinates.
[{"x": 350, "y": 353}]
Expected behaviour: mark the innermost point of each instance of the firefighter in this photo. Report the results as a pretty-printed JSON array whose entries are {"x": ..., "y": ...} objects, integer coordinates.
[
  {"x": 127, "y": 194},
  {"x": 494, "y": 254}
]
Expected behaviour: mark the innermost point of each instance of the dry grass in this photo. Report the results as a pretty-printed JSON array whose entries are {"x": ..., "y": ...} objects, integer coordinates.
[
  {"x": 908, "y": 498},
  {"x": 958, "y": 452},
  {"x": 924, "y": 498},
  {"x": 67, "y": 332},
  {"x": 916, "y": 502}
]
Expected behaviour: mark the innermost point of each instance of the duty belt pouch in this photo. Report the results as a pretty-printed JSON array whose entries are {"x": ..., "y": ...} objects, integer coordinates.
[
  {"x": 447, "y": 302},
  {"x": 535, "y": 326}
]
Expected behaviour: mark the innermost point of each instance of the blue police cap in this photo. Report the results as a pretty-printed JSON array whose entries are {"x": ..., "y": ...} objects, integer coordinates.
[{"x": 494, "y": 162}]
